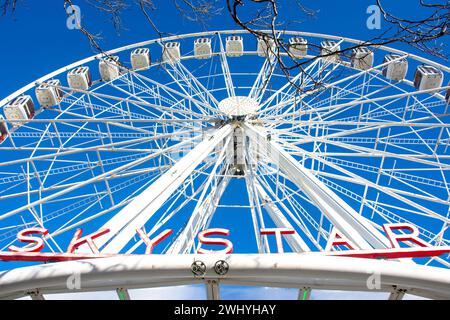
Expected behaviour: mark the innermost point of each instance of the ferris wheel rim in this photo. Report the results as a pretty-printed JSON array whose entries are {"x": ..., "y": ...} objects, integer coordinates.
[{"x": 78, "y": 63}]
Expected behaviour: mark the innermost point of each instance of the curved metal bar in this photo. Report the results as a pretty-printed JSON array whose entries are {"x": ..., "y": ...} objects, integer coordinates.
[
  {"x": 203, "y": 34},
  {"x": 277, "y": 270}
]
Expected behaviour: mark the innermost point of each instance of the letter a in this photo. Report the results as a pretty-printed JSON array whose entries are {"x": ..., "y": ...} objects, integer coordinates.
[
  {"x": 374, "y": 20},
  {"x": 338, "y": 239}
]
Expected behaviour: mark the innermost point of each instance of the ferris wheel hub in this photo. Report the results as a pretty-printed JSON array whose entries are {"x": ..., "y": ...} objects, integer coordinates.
[{"x": 238, "y": 106}]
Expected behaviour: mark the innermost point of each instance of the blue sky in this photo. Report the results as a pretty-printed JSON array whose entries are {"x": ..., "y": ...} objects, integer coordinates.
[{"x": 36, "y": 41}]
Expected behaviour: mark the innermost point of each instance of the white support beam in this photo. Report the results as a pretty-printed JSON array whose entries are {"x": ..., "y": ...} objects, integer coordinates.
[
  {"x": 261, "y": 242},
  {"x": 345, "y": 218},
  {"x": 226, "y": 70},
  {"x": 265, "y": 74},
  {"x": 124, "y": 224},
  {"x": 212, "y": 290},
  {"x": 202, "y": 212}
]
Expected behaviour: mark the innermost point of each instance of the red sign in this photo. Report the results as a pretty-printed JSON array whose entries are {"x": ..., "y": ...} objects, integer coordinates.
[{"x": 33, "y": 237}]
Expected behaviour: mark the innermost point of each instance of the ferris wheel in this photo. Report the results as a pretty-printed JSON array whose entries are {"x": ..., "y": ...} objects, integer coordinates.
[{"x": 194, "y": 159}]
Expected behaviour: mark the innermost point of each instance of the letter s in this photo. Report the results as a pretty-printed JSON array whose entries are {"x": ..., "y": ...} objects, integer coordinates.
[
  {"x": 22, "y": 236},
  {"x": 215, "y": 241}
]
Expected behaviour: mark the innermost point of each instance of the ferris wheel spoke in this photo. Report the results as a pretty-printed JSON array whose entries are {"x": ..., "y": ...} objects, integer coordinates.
[
  {"x": 98, "y": 214},
  {"x": 322, "y": 88},
  {"x": 200, "y": 88},
  {"x": 137, "y": 213},
  {"x": 138, "y": 102},
  {"x": 165, "y": 88},
  {"x": 90, "y": 202},
  {"x": 358, "y": 179},
  {"x": 276, "y": 214},
  {"x": 344, "y": 128},
  {"x": 382, "y": 209},
  {"x": 205, "y": 208},
  {"x": 69, "y": 151},
  {"x": 290, "y": 89},
  {"x": 183, "y": 78},
  {"x": 342, "y": 215},
  {"x": 156, "y": 92},
  {"x": 121, "y": 107},
  {"x": 259, "y": 87},
  {"x": 63, "y": 184},
  {"x": 171, "y": 111},
  {"x": 256, "y": 214},
  {"x": 286, "y": 90},
  {"x": 394, "y": 194},
  {"x": 287, "y": 200},
  {"x": 417, "y": 157},
  {"x": 89, "y": 181},
  {"x": 366, "y": 99},
  {"x": 388, "y": 140},
  {"x": 332, "y": 109}
]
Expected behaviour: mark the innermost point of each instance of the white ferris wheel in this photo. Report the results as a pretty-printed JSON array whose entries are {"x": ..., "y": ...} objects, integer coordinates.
[{"x": 183, "y": 139}]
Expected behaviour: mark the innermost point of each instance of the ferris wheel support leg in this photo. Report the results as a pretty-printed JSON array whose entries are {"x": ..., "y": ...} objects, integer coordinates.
[
  {"x": 212, "y": 290},
  {"x": 124, "y": 224},
  {"x": 343, "y": 217},
  {"x": 203, "y": 211}
]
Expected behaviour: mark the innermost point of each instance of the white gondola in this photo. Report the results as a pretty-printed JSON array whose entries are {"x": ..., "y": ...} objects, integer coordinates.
[
  {"x": 266, "y": 47},
  {"x": 234, "y": 46},
  {"x": 80, "y": 78},
  {"x": 362, "y": 58},
  {"x": 3, "y": 131},
  {"x": 298, "y": 47},
  {"x": 202, "y": 48},
  {"x": 329, "y": 47},
  {"x": 49, "y": 93},
  {"x": 428, "y": 77},
  {"x": 171, "y": 52},
  {"x": 396, "y": 68},
  {"x": 22, "y": 108},
  {"x": 109, "y": 68},
  {"x": 140, "y": 59}
]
